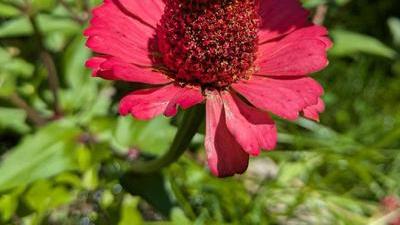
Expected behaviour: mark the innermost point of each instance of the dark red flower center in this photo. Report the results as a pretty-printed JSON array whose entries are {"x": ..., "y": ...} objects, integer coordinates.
[{"x": 211, "y": 43}]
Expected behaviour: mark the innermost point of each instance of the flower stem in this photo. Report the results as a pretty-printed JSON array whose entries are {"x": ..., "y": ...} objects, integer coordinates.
[{"x": 190, "y": 123}]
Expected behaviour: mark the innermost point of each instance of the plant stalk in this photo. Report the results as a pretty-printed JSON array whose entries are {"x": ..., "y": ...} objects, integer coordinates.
[
  {"x": 190, "y": 123},
  {"x": 31, "y": 113},
  {"x": 48, "y": 62}
]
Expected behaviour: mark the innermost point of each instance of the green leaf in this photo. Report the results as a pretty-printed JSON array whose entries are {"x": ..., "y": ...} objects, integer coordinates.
[
  {"x": 107, "y": 199},
  {"x": 9, "y": 204},
  {"x": 15, "y": 27},
  {"x": 153, "y": 136},
  {"x": 48, "y": 152},
  {"x": 43, "y": 196},
  {"x": 12, "y": 64},
  {"x": 8, "y": 10},
  {"x": 13, "y": 119},
  {"x": 56, "y": 41},
  {"x": 348, "y": 43},
  {"x": 74, "y": 70},
  {"x": 178, "y": 217},
  {"x": 129, "y": 212},
  {"x": 14, "y": 2},
  {"x": 7, "y": 84},
  {"x": 313, "y": 3},
  {"x": 90, "y": 179},
  {"x": 394, "y": 25},
  {"x": 85, "y": 94},
  {"x": 43, "y": 5},
  {"x": 21, "y": 26},
  {"x": 150, "y": 187},
  {"x": 12, "y": 67},
  {"x": 18, "y": 66}
]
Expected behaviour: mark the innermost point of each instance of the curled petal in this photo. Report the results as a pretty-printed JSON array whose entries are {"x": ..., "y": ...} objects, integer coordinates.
[
  {"x": 283, "y": 97},
  {"x": 312, "y": 111},
  {"x": 225, "y": 156},
  {"x": 94, "y": 63},
  {"x": 149, "y": 103},
  {"x": 252, "y": 128}
]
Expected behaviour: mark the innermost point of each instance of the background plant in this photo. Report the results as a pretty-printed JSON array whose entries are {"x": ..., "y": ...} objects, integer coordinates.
[{"x": 63, "y": 147}]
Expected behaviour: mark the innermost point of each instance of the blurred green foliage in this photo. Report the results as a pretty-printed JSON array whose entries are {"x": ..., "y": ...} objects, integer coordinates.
[{"x": 64, "y": 167}]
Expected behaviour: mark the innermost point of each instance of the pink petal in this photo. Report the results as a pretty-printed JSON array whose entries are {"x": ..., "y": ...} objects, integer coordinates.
[
  {"x": 149, "y": 11},
  {"x": 116, "y": 69},
  {"x": 186, "y": 98},
  {"x": 312, "y": 111},
  {"x": 225, "y": 156},
  {"x": 149, "y": 103},
  {"x": 94, "y": 63},
  {"x": 309, "y": 32},
  {"x": 314, "y": 31},
  {"x": 300, "y": 53},
  {"x": 253, "y": 129},
  {"x": 280, "y": 17},
  {"x": 115, "y": 32},
  {"x": 285, "y": 98},
  {"x": 106, "y": 45}
]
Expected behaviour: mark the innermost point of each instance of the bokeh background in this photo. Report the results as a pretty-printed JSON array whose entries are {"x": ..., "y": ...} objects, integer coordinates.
[{"x": 63, "y": 147}]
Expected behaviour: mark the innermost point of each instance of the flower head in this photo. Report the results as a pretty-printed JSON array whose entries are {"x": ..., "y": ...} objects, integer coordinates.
[{"x": 243, "y": 58}]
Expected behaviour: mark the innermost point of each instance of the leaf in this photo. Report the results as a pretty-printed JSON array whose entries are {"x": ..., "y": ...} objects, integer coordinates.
[
  {"x": 315, "y": 3},
  {"x": 43, "y": 196},
  {"x": 76, "y": 74},
  {"x": 7, "y": 84},
  {"x": 15, "y": 27},
  {"x": 42, "y": 155},
  {"x": 179, "y": 218},
  {"x": 152, "y": 137},
  {"x": 18, "y": 66},
  {"x": 107, "y": 199},
  {"x": 150, "y": 187},
  {"x": 85, "y": 94},
  {"x": 13, "y": 119},
  {"x": 394, "y": 25},
  {"x": 11, "y": 68},
  {"x": 20, "y": 26},
  {"x": 90, "y": 180},
  {"x": 312, "y": 3},
  {"x": 348, "y": 43},
  {"x": 8, "y": 10},
  {"x": 130, "y": 213},
  {"x": 43, "y": 5},
  {"x": 12, "y": 64},
  {"x": 9, "y": 204},
  {"x": 81, "y": 91}
]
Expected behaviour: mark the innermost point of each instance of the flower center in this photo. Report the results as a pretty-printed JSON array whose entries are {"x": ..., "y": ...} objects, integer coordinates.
[{"x": 211, "y": 43}]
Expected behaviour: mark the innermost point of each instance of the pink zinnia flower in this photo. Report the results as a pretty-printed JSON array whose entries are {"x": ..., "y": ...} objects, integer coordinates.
[{"x": 243, "y": 58}]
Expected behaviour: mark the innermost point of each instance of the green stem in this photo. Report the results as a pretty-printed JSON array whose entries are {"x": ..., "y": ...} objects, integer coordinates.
[{"x": 190, "y": 123}]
